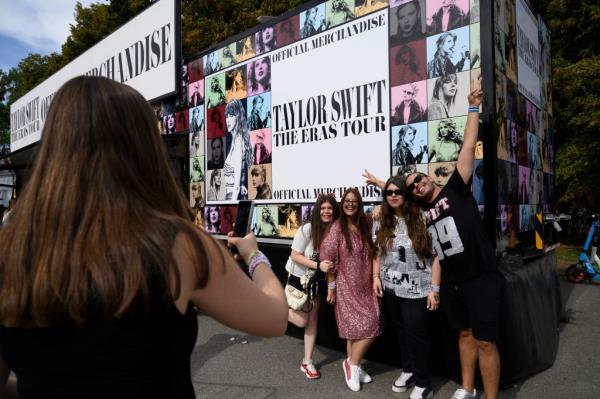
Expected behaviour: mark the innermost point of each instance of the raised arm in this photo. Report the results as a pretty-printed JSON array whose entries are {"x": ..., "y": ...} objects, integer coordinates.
[
  {"x": 467, "y": 152},
  {"x": 256, "y": 306},
  {"x": 372, "y": 180}
]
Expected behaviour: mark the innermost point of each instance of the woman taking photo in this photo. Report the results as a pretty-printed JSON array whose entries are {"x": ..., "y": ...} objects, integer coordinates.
[
  {"x": 305, "y": 261},
  {"x": 404, "y": 276},
  {"x": 97, "y": 296},
  {"x": 350, "y": 249}
]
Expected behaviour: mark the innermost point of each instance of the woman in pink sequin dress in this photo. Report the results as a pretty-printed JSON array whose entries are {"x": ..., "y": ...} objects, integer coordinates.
[{"x": 350, "y": 248}]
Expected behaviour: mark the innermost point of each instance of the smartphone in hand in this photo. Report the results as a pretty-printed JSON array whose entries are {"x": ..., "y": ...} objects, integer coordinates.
[{"x": 243, "y": 221}]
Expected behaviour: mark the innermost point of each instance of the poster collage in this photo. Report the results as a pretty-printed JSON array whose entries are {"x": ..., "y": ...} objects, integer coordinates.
[
  {"x": 525, "y": 165},
  {"x": 434, "y": 57},
  {"x": 225, "y": 108}
]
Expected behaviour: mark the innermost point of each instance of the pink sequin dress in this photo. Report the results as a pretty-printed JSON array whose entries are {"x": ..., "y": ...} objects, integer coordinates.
[{"x": 357, "y": 311}]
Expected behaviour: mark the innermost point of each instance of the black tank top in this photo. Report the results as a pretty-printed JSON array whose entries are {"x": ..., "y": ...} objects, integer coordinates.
[{"x": 135, "y": 357}]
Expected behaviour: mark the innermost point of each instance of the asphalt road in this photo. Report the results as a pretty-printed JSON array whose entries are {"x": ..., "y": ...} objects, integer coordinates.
[{"x": 229, "y": 364}]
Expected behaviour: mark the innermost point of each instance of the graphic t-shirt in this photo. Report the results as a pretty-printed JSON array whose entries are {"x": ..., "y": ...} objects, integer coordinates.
[
  {"x": 457, "y": 231},
  {"x": 401, "y": 271}
]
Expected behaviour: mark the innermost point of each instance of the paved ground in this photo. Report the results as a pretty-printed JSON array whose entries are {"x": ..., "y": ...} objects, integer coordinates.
[{"x": 228, "y": 364}]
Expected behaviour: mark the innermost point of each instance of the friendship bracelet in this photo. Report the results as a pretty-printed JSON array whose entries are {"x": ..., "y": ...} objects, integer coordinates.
[
  {"x": 473, "y": 109},
  {"x": 435, "y": 288},
  {"x": 257, "y": 260},
  {"x": 331, "y": 285},
  {"x": 252, "y": 255}
]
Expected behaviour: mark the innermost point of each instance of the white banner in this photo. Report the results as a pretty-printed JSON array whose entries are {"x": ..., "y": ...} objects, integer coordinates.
[
  {"x": 331, "y": 120},
  {"x": 141, "y": 54},
  {"x": 528, "y": 54}
]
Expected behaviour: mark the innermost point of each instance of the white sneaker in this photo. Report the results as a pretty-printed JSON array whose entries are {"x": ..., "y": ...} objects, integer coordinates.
[
  {"x": 402, "y": 383},
  {"x": 462, "y": 394},
  {"x": 352, "y": 375},
  {"x": 309, "y": 370},
  {"x": 364, "y": 377},
  {"x": 421, "y": 393}
]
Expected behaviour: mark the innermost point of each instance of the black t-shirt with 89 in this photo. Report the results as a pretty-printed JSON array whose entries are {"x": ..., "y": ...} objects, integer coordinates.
[{"x": 458, "y": 234}]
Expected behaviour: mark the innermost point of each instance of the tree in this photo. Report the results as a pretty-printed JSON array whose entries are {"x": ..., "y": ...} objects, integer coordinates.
[
  {"x": 575, "y": 27},
  {"x": 31, "y": 71},
  {"x": 95, "y": 22},
  {"x": 92, "y": 24},
  {"x": 5, "y": 88},
  {"x": 208, "y": 22}
]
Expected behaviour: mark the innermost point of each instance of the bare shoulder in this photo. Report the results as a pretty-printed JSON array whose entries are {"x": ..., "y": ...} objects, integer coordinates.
[{"x": 191, "y": 252}]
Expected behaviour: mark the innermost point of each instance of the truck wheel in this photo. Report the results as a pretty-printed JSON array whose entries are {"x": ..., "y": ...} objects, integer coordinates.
[{"x": 575, "y": 274}]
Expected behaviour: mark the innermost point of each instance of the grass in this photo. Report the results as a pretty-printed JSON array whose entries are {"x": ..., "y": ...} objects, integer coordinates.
[{"x": 566, "y": 255}]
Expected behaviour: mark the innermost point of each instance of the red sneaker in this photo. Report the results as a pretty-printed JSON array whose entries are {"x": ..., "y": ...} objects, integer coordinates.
[{"x": 310, "y": 371}]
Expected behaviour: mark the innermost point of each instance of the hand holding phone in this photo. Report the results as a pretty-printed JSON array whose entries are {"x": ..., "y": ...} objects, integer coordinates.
[
  {"x": 244, "y": 245},
  {"x": 243, "y": 222}
]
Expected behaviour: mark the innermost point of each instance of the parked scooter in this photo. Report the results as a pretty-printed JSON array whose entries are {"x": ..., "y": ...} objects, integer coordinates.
[{"x": 588, "y": 266}]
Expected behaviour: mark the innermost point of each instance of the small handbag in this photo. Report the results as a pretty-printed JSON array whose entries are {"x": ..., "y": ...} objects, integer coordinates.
[{"x": 295, "y": 297}]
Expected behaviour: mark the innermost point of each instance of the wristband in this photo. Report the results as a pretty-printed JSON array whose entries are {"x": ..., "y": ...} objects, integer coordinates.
[
  {"x": 331, "y": 285},
  {"x": 251, "y": 256},
  {"x": 473, "y": 109},
  {"x": 257, "y": 260},
  {"x": 435, "y": 288},
  {"x": 318, "y": 265}
]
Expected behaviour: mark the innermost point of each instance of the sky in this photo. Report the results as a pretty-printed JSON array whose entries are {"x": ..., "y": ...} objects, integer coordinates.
[{"x": 34, "y": 26}]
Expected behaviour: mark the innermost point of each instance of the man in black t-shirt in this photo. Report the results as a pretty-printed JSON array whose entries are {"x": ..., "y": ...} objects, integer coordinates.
[{"x": 471, "y": 286}]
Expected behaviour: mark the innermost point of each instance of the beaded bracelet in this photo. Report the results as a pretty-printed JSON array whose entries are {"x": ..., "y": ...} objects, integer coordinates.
[
  {"x": 252, "y": 255},
  {"x": 257, "y": 260},
  {"x": 435, "y": 288},
  {"x": 473, "y": 109},
  {"x": 331, "y": 285}
]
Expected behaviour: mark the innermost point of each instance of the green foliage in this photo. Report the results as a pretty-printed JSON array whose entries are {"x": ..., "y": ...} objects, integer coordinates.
[
  {"x": 208, "y": 22},
  {"x": 31, "y": 71},
  {"x": 575, "y": 27},
  {"x": 5, "y": 87},
  {"x": 95, "y": 22}
]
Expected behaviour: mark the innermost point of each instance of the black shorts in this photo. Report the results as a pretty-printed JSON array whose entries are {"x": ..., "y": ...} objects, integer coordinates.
[{"x": 475, "y": 304}]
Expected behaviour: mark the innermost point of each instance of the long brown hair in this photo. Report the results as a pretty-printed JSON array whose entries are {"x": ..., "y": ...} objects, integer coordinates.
[
  {"x": 359, "y": 219},
  {"x": 421, "y": 240},
  {"x": 95, "y": 226},
  {"x": 317, "y": 228}
]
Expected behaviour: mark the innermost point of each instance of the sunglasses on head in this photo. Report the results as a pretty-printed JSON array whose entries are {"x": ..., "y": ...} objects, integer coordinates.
[
  {"x": 416, "y": 181},
  {"x": 389, "y": 193}
]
